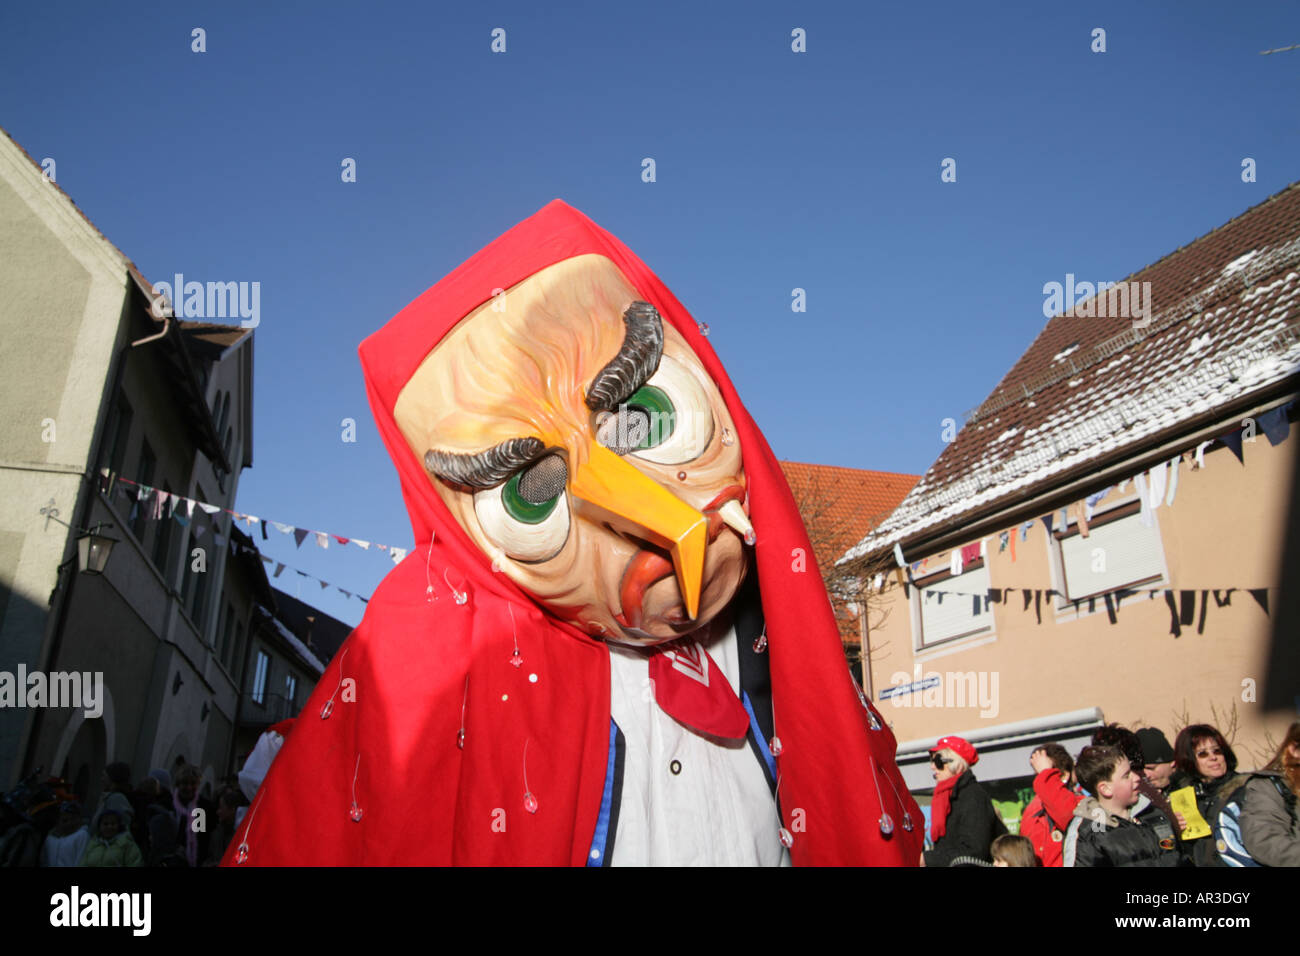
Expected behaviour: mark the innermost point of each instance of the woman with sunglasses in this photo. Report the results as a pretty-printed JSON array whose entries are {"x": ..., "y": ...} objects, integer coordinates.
[
  {"x": 1204, "y": 761},
  {"x": 963, "y": 821}
]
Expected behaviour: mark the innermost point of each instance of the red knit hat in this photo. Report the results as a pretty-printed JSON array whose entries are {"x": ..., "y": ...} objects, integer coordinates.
[{"x": 960, "y": 746}]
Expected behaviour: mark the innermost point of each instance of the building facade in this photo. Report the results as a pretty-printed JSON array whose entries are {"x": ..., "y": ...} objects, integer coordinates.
[
  {"x": 138, "y": 426},
  {"x": 1111, "y": 535}
]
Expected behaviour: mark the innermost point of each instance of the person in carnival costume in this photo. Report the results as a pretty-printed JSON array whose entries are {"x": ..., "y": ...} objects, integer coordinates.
[{"x": 608, "y": 645}]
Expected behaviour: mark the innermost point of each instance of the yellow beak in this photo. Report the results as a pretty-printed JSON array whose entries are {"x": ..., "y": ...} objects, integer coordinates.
[{"x": 609, "y": 482}]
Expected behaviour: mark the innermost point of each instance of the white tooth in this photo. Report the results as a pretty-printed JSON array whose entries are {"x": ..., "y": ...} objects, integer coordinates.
[{"x": 734, "y": 515}]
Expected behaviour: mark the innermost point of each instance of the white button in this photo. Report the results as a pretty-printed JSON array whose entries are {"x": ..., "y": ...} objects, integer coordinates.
[{"x": 595, "y": 854}]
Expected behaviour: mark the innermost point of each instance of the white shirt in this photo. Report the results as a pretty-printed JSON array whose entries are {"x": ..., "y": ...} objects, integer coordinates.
[{"x": 687, "y": 800}]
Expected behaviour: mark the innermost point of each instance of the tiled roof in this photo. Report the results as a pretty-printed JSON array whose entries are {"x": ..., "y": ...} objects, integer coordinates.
[
  {"x": 843, "y": 504},
  {"x": 1222, "y": 325}
]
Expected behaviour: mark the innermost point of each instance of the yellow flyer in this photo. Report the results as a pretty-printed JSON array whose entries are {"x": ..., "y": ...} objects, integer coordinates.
[{"x": 1184, "y": 801}]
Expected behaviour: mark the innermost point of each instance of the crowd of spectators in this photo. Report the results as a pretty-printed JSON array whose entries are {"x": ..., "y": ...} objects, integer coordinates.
[{"x": 1129, "y": 798}]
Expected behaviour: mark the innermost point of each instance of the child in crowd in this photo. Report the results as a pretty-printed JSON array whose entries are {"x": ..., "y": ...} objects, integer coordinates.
[
  {"x": 1103, "y": 832},
  {"x": 1011, "y": 850},
  {"x": 67, "y": 841},
  {"x": 1048, "y": 815},
  {"x": 113, "y": 845}
]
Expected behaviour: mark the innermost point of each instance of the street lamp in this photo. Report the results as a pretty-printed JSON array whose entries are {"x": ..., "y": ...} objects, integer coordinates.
[{"x": 93, "y": 550}]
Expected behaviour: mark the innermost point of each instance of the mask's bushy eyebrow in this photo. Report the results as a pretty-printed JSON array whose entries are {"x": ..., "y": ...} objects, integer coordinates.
[
  {"x": 484, "y": 469},
  {"x": 637, "y": 359}
]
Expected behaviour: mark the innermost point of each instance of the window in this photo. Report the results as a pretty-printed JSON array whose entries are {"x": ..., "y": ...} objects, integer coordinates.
[
  {"x": 144, "y": 475},
  {"x": 197, "y": 582},
  {"x": 119, "y": 429},
  {"x": 1119, "y": 552},
  {"x": 259, "y": 678},
  {"x": 236, "y": 659},
  {"x": 954, "y": 606},
  {"x": 290, "y": 689},
  {"x": 225, "y": 630}
]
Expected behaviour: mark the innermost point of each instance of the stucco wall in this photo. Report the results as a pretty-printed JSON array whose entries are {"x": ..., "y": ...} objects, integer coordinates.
[
  {"x": 1225, "y": 529},
  {"x": 62, "y": 293}
]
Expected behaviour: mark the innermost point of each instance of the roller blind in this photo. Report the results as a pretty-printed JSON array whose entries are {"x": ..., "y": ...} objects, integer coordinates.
[
  {"x": 949, "y": 607},
  {"x": 1115, "y": 555}
]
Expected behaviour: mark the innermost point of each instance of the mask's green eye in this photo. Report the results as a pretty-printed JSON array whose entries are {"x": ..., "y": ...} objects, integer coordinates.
[
  {"x": 520, "y": 508},
  {"x": 659, "y": 407}
]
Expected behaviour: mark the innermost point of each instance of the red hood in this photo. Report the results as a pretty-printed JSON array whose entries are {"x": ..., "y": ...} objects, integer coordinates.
[{"x": 391, "y": 751}]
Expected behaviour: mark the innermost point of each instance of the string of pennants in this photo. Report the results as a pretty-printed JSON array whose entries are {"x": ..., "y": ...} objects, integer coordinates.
[
  {"x": 156, "y": 504},
  {"x": 1182, "y": 602},
  {"x": 1155, "y": 487}
]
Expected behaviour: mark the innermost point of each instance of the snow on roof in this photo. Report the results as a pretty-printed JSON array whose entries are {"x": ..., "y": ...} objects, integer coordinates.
[
  {"x": 303, "y": 650},
  {"x": 1222, "y": 325}
]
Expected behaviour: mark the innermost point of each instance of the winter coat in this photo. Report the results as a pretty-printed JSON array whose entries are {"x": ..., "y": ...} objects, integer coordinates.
[
  {"x": 119, "y": 851},
  {"x": 1048, "y": 816},
  {"x": 113, "y": 800},
  {"x": 1201, "y": 850},
  {"x": 65, "y": 850},
  {"x": 973, "y": 824},
  {"x": 1121, "y": 842},
  {"x": 1269, "y": 827}
]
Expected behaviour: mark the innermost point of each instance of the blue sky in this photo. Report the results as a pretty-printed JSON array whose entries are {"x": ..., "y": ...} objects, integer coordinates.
[{"x": 775, "y": 170}]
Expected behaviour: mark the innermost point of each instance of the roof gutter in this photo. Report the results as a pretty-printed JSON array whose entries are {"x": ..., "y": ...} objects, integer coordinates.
[{"x": 1097, "y": 473}]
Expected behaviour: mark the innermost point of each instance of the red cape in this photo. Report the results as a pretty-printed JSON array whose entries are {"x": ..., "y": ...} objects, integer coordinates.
[{"x": 382, "y": 779}]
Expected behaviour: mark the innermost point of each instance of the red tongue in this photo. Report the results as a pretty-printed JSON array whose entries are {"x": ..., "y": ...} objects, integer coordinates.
[
  {"x": 645, "y": 569},
  {"x": 642, "y": 571}
]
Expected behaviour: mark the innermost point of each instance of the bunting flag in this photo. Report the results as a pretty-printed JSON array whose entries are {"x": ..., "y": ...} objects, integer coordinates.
[
  {"x": 1156, "y": 484},
  {"x": 1047, "y": 523},
  {"x": 1261, "y": 597},
  {"x": 1173, "y": 478},
  {"x": 1233, "y": 441},
  {"x": 898, "y": 553},
  {"x": 1090, "y": 503},
  {"x": 1003, "y": 538},
  {"x": 1083, "y": 515},
  {"x": 1276, "y": 423},
  {"x": 155, "y": 504},
  {"x": 1013, "y": 543},
  {"x": 1147, "y": 518},
  {"x": 1200, "y": 454},
  {"x": 955, "y": 562}
]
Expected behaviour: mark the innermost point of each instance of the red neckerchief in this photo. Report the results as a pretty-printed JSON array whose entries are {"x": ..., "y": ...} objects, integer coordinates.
[
  {"x": 940, "y": 805},
  {"x": 691, "y": 688}
]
